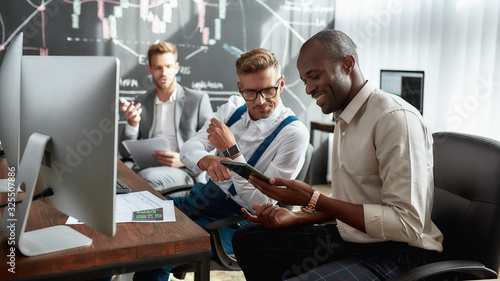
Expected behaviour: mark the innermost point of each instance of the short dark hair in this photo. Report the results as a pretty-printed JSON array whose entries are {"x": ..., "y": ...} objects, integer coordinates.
[
  {"x": 256, "y": 60},
  {"x": 336, "y": 43},
  {"x": 161, "y": 48}
]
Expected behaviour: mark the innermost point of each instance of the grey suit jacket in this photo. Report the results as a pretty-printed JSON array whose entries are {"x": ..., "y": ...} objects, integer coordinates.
[{"x": 192, "y": 109}]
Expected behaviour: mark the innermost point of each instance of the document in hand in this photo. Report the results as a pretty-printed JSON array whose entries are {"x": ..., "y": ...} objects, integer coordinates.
[{"x": 142, "y": 151}]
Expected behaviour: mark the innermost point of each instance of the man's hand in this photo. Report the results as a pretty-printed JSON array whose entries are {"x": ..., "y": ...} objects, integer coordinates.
[
  {"x": 271, "y": 216},
  {"x": 214, "y": 168},
  {"x": 131, "y": 111},
  {"x": 292, "y": 192},
  {"x": 220, "y": 136},
  {"x": 168, "y": 158},
  {"x": 288, "y": 192}
]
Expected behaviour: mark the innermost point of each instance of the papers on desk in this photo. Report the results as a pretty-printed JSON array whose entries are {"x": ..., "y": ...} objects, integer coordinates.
[
  {"x": 140, "y": 206},
  {"x": 142, "y": 151}
]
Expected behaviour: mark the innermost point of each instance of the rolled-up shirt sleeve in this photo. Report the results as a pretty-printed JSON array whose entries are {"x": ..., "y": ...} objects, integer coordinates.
[
  {"x": 196, "y": 148},
  {"x": 404, "y": 170}
]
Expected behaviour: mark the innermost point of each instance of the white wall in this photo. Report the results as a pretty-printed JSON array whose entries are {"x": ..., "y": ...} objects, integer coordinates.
[{"x": 456, "y": 43}]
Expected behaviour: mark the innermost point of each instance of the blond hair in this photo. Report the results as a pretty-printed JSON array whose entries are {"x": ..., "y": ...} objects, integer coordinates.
[{"x": 256, "y": 60}]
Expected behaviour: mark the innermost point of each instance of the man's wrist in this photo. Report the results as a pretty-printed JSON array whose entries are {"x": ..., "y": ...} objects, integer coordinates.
[
  {"x": 232, "y": 151},
  {"x": 131, "y": 131},
  {"x": 310, "y": 208}
]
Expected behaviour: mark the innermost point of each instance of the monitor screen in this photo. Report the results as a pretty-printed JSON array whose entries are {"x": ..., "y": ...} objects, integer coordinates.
[
  {"x": 72, "y": 104},
  {"x": 409, "y": 85}
]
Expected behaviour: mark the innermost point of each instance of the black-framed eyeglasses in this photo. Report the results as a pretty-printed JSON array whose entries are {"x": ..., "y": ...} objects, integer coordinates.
[{"x": 267, "y": 93}]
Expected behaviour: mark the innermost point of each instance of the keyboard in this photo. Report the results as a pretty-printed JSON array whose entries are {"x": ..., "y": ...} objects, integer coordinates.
[{"x": 121, "y": 187}]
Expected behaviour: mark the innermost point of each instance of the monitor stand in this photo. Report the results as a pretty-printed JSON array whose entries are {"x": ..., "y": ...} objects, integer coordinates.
[{"x": 14, "y": 220}]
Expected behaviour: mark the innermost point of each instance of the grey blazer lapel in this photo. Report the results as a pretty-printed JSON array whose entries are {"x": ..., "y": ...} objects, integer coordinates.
[
  {"x": 148, "y": 114},
  {"x": 179, "y": 107}
]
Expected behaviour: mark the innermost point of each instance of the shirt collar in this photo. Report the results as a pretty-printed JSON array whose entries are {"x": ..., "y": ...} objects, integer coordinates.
[
  {"x": 356, "y": 103},
  {"x": 265, "y": 123},
  {"x": 173, "y": 98}
]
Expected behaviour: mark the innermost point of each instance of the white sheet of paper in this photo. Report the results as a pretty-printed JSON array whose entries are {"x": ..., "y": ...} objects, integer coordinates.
[
  {"x": 142, "y": 151},
  {"x": 128, "y": 203}
]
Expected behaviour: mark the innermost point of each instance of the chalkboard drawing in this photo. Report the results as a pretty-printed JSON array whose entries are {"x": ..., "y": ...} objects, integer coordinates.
[{"x": 209, "y": 34}]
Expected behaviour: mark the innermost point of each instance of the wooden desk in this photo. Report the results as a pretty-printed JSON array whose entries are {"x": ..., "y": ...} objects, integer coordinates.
[{"x": 136, "y": 246}]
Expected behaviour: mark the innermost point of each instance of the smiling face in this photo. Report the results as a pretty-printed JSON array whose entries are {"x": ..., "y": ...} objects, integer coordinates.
[
  {"x": 260, "y": 107},
  {"x": 327, "y": 82}
]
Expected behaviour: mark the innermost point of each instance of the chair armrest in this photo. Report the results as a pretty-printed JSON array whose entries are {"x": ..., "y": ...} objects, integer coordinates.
[
  {"x": 213, "y": 228},
  {"x": 472, "y": 268},
  {"x": 225, "y": 222},
  {"x": 177, "y": 188}
]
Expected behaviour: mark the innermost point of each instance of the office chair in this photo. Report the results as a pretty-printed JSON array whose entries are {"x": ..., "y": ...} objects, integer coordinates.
[
  {"x": 466, "y": 209},
  {"x": 222, "y": 260}
]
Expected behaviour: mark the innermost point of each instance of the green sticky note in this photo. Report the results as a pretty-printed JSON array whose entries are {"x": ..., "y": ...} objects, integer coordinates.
[{"x": 148, "y": 215}]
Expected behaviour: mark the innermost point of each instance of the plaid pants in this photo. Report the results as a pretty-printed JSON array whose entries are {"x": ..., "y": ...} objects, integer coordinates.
[{"x": 319, "y": 253}]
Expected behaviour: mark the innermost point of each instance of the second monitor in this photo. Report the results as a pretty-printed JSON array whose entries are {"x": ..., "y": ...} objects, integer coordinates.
[{"x": 409, "y": 85}]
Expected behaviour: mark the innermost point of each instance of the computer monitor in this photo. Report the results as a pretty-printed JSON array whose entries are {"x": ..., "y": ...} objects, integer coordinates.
[
  {"x": 409, "y": 85},
  {"x": 67, "y": 141},
  {"x": 10, "y": 101}
]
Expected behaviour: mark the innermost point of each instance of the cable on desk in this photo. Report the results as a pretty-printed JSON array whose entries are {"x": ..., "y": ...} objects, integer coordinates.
[{"x": 45, "y": 193}]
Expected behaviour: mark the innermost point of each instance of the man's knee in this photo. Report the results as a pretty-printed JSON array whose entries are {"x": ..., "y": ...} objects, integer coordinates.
[
  {"x": 162, "y": 178},
  {"x": 244, "y": 236}
]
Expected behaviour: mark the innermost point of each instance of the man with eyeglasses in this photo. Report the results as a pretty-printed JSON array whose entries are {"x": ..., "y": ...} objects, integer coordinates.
[{"x": 255, "y": 128}]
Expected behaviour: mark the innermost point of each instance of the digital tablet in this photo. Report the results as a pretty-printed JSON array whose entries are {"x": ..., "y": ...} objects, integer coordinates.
[{"x": 244, "y": 170}]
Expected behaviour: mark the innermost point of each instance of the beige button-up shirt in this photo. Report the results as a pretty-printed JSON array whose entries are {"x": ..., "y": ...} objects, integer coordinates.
[{"x": 382, "y": 158}]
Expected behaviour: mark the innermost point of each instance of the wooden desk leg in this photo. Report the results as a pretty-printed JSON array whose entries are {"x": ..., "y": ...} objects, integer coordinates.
[{"x": 203, "y": 268}]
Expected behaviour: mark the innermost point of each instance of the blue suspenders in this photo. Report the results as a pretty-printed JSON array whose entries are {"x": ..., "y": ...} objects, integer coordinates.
[
  {"x": 263, "y": 146},
  {"x": 236, "y": 115}
]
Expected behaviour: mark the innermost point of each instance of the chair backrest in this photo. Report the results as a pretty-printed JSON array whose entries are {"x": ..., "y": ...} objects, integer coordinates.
[
  {"x": 303, "y": 172},
  {"x": 307, "y": 162},
  {"x": 467, "y": 197}
]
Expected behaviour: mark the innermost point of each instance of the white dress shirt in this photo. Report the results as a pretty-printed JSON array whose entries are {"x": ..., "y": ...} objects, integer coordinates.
[
  {"x": 382, "y": 158},
  {"x": 283, "y": 158},
  {"x": 164, "y": 122}
]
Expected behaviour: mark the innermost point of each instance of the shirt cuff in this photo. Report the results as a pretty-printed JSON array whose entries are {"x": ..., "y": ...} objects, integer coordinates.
[
  {"x": 240, "y": 158},
  {"x": 374, "y": 220},
  {"x": 131, "y": 132},
  {"x": 196, "y": 156}
]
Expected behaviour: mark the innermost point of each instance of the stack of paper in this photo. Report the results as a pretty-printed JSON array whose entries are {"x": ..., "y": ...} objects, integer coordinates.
[{"x": 140, "y": 206}]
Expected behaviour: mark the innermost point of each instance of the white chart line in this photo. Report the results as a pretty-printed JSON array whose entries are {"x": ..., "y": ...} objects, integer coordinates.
[
  {"x": 285, "y": 23},
  {"x": 201, "y": 49},
  {"x": 18, "y": 29}
]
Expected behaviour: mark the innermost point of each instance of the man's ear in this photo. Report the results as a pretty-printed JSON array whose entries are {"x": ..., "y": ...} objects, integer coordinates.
[
  {"x": 177, "y": 67},
  {"x": 349, "y": 62}
]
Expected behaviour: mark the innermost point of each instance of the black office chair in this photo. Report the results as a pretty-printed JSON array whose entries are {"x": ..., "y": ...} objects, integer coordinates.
[
  {"x": 224, "y": 261},
  {"x": 466, "y": 209}
]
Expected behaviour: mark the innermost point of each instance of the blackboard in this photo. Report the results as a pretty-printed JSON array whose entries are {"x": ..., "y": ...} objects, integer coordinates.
[{"x": 209, "y": 35}]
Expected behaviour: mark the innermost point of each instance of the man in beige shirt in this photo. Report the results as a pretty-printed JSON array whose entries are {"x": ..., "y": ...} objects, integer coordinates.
[{"x": 382, "y": 185}]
